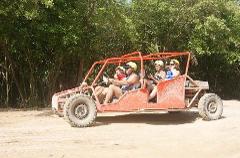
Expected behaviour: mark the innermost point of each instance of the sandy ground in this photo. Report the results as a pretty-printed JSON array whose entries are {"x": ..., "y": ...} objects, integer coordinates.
[{"x": 39, "y": 134}]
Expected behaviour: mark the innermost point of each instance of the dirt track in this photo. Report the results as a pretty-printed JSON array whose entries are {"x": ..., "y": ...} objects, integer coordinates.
[{"x": 38, "y": 134}]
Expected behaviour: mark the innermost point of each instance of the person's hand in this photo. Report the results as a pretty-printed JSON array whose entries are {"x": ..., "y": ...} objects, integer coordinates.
[
  {"x": 111, "y": 80},
  {"x": 150, "y": 76},
  {"x": 85, "y": 89},
  {"x": 105, "y": 79}
]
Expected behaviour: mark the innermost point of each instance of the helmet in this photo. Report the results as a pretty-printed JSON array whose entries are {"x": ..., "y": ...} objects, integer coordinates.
[
  {"x": 132, "y": 65},
  {"x": 159, "y": 62},
  {"x": 120, "y": 68},
  {"x": 174, "y": 61}
]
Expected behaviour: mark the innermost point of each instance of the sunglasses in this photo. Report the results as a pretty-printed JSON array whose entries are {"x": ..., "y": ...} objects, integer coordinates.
[{"x": 127, "y": 67}]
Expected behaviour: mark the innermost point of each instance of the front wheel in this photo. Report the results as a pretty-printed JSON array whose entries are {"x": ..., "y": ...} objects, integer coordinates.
[
  {"x": 210, "y": 106},
  {"x": 80, "y": 111}
]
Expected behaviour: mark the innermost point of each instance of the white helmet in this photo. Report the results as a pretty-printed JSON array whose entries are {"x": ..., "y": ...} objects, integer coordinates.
[
  {"x": 132, "y": 65},
  {"x": 174, "y": 61},
  {"x": 120, "y": 68},
  {"x": 159, "y": 62}
]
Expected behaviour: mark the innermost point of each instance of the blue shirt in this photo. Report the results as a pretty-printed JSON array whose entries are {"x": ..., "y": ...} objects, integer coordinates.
[{"x": 169, "y": 75}]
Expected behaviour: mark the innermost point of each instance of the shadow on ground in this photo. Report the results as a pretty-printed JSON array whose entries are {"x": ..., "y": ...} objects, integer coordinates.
[
  {"x": 45, "y": 113},
  {"x": 154, "y": 119}
]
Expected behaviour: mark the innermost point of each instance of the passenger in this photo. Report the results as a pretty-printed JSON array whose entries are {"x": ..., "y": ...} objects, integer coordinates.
[
  {"x": 173, "y": 69},
  {"x": 120, "y": 73},
  {"x": 171, "y": 73},
  {"x": 151, "y": 82},
  {"x": 101, "y": 91},
  {"x": 159, "y": 76},
  {"x": 117, "y": 88}
]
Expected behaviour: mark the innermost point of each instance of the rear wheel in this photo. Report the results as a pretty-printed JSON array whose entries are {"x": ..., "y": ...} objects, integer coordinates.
[
  {"x": 80, "y": 111},
  {"x": 210, "y": 106}
]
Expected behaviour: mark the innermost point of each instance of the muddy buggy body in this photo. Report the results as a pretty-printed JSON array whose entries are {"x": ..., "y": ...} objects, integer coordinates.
[{"x": 80, "y": 107}]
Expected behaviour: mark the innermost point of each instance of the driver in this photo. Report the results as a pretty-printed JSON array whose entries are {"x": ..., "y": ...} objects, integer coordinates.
[
  {"x": 127, "y": 84},
  {"x": 101, "y": 91}
]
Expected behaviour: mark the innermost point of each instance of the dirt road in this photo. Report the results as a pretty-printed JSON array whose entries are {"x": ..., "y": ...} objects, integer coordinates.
[{"x": 38, "y": 134}]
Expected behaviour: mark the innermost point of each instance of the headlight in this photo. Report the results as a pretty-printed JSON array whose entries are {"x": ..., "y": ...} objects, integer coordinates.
[{"x": 55, "y": 102}]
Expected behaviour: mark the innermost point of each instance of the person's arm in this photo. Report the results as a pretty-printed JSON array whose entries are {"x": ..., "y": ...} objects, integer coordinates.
[
  {"x": 164, "y": 75},
  {"x": 118, "y": 82},
  {"x": 115, "y": 77},
  {"x": 155, "y": 80},
  {"x": 130, "y": 80},
  {"x": 176, "y": 73}
]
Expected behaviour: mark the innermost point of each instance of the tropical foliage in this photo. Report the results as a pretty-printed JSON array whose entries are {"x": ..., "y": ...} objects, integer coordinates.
[{"x": 48, "y": 45}]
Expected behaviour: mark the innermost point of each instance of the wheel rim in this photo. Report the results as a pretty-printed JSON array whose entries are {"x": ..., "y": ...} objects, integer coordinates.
[
  {"x": 81, "y": 111},
  {"x": 212, "y": 107}
]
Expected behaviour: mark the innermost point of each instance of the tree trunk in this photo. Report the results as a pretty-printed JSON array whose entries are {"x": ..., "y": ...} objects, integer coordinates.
[
  {"x": 80, "y": 71},
  {"x": 12, "y": 65},
  {"x": 7, "y": 84},
  {"x": 32, "y": 81},
  {"x": 6, "y": 80},
  {"x": 53, "y": 76}
]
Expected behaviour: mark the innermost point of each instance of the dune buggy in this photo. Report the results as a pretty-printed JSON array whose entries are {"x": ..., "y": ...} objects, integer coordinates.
[{"x": 80, "y": 105}]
